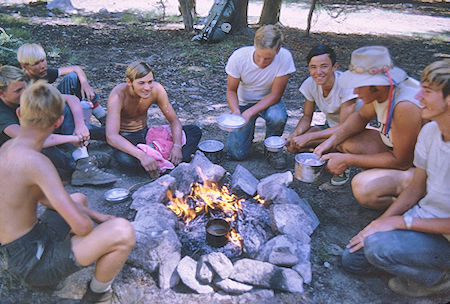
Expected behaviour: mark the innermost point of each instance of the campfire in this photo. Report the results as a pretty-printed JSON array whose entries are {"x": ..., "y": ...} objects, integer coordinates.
[
  {"x": 211, "y": 201},
  {"x": 191, "y": 227}
]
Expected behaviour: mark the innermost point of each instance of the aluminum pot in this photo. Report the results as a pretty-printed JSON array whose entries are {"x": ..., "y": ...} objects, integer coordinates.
[
  {"x": 213, "y": 149},
  {"x": 308, "y": 167}
]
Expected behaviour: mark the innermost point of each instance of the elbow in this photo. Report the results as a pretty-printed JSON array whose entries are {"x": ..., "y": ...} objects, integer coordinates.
[{"x": 84, "y": 229}]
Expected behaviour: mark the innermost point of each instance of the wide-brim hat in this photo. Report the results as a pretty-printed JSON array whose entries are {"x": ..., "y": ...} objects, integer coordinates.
[{"x": 369, "y": 66}]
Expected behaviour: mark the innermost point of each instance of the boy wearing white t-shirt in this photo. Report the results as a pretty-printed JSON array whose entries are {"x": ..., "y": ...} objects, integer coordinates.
[
  {"x": 411, "y": 239},
  {"x": 321, "y": 88},
  {"x": 257, "y": 78}
]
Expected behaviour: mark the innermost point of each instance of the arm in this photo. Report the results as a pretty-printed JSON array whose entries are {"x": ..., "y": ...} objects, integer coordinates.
[
  {"x": 347, "y": 108},
  {"x": 175, "y": 125},
  {"x": 232, "y": 98},
  {"x": 304, "y": 123},
  {"x": 406, "y": 126},
  {"x": 278, "y": 86},
  {"x": 391, "y": 219},
  {"x": 354, "y": 124},
  {"x": 56, "y": 197},
  {"x": 119, "y": 142},
  {"x": 86, "y": 89},
  {"x": 75, "y": 107},
  {"x": 52, "y": 140}
]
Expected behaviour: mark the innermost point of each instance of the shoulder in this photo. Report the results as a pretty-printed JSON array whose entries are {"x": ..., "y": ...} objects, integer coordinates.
[
  {"x": 308, "y": 84},
  {"x": 242, "y": 52},
  {"x": 429, "y": 129}
]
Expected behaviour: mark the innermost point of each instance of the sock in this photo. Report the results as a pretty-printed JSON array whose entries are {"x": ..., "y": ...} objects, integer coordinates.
[
  {"x": 100, "y": 287},
  {"x": 98, "y": 111},
  {"x": 80, "y": 153}
]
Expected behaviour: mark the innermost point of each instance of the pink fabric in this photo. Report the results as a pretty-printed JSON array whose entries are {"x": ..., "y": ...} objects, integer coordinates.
[
  {"x": 161, "y": 138},
  {"x": 163, "y": 164}
]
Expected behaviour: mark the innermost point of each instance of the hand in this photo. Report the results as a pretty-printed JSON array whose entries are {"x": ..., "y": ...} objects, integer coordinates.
[
  {"x": 382, "y": 224},
  {"x": 175, "y": 155},
  {"x": 336, "y": 162},
  {"x": 298, "y": 143},
  {"x": 87, "y": 91},
  {"x": 327, "y": 145},
  {"x": 83, "y": 132},
  {"x": 150, "y": 165}
]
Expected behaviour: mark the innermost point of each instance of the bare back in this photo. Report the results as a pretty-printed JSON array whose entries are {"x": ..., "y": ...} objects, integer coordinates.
[{"x": 19, "y": 194}]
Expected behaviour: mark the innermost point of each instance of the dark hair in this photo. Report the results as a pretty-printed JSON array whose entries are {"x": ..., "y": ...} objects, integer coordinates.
[{"x": 321, "y": 49}]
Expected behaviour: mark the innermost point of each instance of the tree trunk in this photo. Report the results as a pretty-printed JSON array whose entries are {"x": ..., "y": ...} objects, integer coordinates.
[
  {"x": 187, "y": 13},
  {"x": 271, "y": 12},
  {"x": 239, "y": 21},
  {"x": 311, "y": 11}
]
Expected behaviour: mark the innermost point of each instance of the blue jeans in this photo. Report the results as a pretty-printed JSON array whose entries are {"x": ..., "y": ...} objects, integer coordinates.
[
  {"x": 126, "y": 161},
  {"x": 417, "y": 256},
  {"x": 239, "y": 144},
  {"x": 70, "y": 85}
]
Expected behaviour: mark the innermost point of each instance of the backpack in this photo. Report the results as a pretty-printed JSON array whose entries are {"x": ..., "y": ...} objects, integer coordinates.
[{"x": 217, "y": 24}]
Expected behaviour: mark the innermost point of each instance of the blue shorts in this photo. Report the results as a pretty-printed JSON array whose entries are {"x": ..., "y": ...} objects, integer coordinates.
[{"x": 43, "y": 257}]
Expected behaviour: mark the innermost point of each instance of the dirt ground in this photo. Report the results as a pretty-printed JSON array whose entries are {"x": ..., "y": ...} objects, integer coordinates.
[{"x": 194, "y": 77}]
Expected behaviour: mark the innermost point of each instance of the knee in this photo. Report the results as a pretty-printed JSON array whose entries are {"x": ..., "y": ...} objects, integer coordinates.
[
  {"x": 123, "y": 232},
  {"x": 363, "y": 192},
  {"x": 378, "y": 248},
  {"x": 276, "y": 118},
  {"x": 71, "y": 77},
  {"x": 79, "y": 198},
  {"x": 354, "y": 262}
]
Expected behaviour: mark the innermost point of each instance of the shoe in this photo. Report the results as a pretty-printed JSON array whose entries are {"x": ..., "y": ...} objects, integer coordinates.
[
  {"x": 277, "y": 160},
  {"x": 91, "y": 297},
  {"x": 100, "y": 159},
  {"x": 341, "y": 179},
  {"x": 412, "y": 289},
  {"x": 86, "y": 173}
]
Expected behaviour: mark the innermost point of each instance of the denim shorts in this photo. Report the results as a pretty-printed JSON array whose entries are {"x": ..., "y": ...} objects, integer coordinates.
[{"x": 43, "y": 257}]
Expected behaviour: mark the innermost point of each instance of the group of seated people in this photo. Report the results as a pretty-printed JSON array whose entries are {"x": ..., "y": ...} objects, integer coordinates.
[{"x": 405, "y": 158}]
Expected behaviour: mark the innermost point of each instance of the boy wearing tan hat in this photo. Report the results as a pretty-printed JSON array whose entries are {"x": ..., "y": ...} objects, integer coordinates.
[
  {"x": 411, "y": 240},
  {"x": 388, "y": 95}
]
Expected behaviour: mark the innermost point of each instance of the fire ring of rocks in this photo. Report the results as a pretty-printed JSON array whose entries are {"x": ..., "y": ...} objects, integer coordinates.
[{"x": 267, "y": 247}]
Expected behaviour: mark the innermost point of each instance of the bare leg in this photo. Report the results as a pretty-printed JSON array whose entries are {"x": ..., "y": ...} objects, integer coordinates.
[
  {"x": 365, "y": 142},
  {"x": 378, "y": 188},
  {"x": 109, "y": 244}
]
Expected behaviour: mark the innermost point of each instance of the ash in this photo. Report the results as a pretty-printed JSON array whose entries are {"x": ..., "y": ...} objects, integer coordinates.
[{"x": 253, "y": 224}]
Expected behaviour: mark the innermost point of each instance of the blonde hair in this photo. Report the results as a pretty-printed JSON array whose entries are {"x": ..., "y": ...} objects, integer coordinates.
[
  {"x": 438, "y": 75},
  {"x": 41, "y": 105},
  {"x": 30, "y": 53},
  {"x": 138, "y": 69},
  {"x": 268, "y": 37},
  {"x": 10, "y": 74}
]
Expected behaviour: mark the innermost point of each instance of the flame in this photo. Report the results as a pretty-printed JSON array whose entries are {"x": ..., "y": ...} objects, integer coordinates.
[{"x": 207, "y": 198}]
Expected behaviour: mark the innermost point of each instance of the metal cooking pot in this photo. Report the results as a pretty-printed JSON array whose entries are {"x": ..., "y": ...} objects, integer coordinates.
[
  {"x": 213, "y": 149},
  {"x": 308, "y": 167},
  {"x": 217, "y": 232}
]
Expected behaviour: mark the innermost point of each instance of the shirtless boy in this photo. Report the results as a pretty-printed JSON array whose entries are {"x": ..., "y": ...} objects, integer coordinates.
[
  {"x": 388, "y": 94},
  {"x": 36, "y": 250},
  {"x": 126, "y": 124}
]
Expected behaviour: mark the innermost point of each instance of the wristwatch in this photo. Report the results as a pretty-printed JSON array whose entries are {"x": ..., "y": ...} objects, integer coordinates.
[{"x": 408, "y": 221}]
